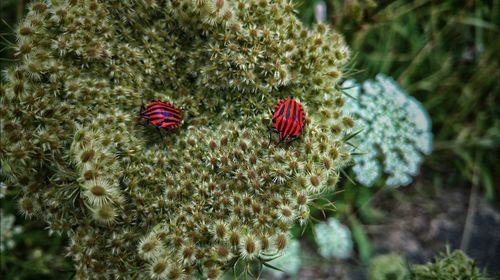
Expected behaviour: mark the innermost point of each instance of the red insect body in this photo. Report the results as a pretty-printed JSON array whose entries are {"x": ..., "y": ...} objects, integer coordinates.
[
  {"x": 288, "y": 119},
  {"x": 162, "y": 114}
]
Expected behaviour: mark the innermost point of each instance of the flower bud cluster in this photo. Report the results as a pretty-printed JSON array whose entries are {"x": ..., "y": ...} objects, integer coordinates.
[{"x": 190, "y": 202}]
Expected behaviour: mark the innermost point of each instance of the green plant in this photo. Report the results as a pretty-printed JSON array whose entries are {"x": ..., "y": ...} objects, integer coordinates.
[
  {"x": 26, "y": 250},
  {"x": 446, "y": 55},
  {"x": 388, "y": 267},
  {"x": 212, "y": 193},
  {"x": 447, "y": 265}
]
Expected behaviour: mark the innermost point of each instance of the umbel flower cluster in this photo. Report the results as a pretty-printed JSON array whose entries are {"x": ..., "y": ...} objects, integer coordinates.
[
  {"x": 333, "y": 239},
  {"x": 8, "y": 231},
  {"x": 395, "y": 131},
  {"x": 213, "y": 191}
]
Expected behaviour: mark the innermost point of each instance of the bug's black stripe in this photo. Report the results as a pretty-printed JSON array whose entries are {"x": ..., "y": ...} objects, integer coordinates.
[
  {"x": 168, "y": 123},
  {"x": 302, "y": 117},
  {"x": 154, "y": 106},
  {"x": 161, "y": 114},
  {"x": 281, "y": 110},
  {"x": 297, "y": 129},
  {"x": 277, "y": 124},
  {"x": 296, "y": 111},
  {"x": 282, "y": 124},
  {"x": 156, "y": 122},
  {"x": 159, "y": 105},
  {"x": 289, "y": 125},
  {"x": 292, "y": 117},
  {"x": 160, "y": 119},
  {"x": 277, "y": 107},
  {"x": 299, "y": 121},
  {"x": 158, "y": 109},
  {"x": 163, "y": 118},
  {"x": 288, "y": 108},
  {"x": 163, "y": 111},
  {"x": 290, "y": 121}
]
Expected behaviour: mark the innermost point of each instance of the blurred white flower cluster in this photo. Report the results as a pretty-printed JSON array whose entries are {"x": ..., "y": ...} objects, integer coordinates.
[
  {"x": 8, "y": 231},
  {"x": 289, "y": 262},
  {"x": 3, "y": 190},
  {"x": 320, "y": 11},
  {"x": 333, "y": 239},
  {"x": 396, "y": 131}
]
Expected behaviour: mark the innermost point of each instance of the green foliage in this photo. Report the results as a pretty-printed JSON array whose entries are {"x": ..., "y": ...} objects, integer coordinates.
[
  {"x": 29, "y": 253},
  {"x": 361, "y": 239},
  {"x": 388, "y": 267},
  {"x": 446, "y": 54},
  {"x": 448, "y": 265},
  {"x": 209, "y": 195}
]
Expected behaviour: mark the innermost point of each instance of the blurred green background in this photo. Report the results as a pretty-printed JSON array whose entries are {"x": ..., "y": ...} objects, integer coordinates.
[{"x": 444, "y": 53}]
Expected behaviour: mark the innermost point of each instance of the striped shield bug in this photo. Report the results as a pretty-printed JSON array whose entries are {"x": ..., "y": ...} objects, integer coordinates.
[
  {"x": 161, "y": 114},
  {"x": 288, "y": 120}
]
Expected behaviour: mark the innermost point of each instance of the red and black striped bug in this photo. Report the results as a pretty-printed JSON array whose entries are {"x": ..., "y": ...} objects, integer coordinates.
[
  {"x": 161, "y": 114},
  {"x": 288, "y": 120}
]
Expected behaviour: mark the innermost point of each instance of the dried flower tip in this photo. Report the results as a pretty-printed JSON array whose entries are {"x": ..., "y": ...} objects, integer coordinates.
[
  {"x": 249, "y": 247},
  {"x": 28, "y": 206},
  {"x": 280, "y": 241},
  {"x": 149, "y": 247},
  {"x": 39, "y": 7},
  {"x": 285, "y": 213},
  {"x": 100, "y": 192},
  {"x": 105, "y": 214},
  {"x": 213, "y": 273},
  {"x": 234, "y": 238}
]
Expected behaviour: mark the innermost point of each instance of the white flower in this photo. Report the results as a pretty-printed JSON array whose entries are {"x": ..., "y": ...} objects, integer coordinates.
[
  {"x": 333, "y": 239},
  {"x": 8, "y": 231},
  {"x": 3, "y": 189},
  {"x": 320, "y": 11},
  {"x": 396, "y": 131}
]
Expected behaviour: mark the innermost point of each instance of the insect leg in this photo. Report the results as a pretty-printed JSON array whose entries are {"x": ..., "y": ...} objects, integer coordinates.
[
  {"x": 271, "y": 129},
  {"x": 142, "y": 103},
  {"x": 159, "y": 131},
  {"x": 279, "y": 142},
  {"x": 288, "y": 143},
  {"x": 141, "y": 124},
  {"x": 270, "y": 132}
]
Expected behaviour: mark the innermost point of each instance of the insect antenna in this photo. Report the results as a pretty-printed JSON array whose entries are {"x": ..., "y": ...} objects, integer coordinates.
[
  {"x": 142, "y": 104},
  {"x": 279, "y": 142}
]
